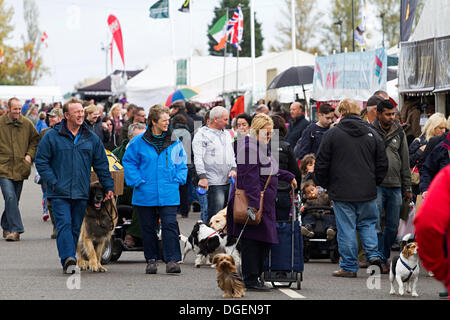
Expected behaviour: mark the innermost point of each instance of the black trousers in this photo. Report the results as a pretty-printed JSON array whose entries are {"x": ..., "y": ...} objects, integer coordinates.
[{"x": 253, "y": 255}]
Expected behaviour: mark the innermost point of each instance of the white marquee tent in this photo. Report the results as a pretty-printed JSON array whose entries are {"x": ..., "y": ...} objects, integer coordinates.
[
  {"x": 47, "y": 94},
  {"x": 157, "y": 81},
  {"x": 434, "y": 21}
]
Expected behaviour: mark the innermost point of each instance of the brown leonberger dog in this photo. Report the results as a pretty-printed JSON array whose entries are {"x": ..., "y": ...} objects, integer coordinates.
[{"x": 98, "y": 226}]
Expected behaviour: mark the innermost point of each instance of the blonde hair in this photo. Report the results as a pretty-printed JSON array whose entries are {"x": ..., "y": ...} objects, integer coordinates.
[
  {"x": 349, "y": 107},
  {"x": 90, "y": 109},
  {"x": 448, "y": 123},
  {"x": 432, "y": 123},
  {"x": 259, "y": 121},
  {"x": 114, "y": 107}
]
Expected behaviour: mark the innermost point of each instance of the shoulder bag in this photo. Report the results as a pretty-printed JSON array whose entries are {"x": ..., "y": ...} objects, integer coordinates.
[{"x": 240, "y": 206}]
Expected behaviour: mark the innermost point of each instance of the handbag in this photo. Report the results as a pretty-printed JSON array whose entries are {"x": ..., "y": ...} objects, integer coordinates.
[
  {"x": 240, "y": 206},
  {"x": 415, "y": 177}
]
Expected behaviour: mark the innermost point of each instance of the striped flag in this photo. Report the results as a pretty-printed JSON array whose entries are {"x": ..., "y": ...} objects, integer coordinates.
[
  {"x": 379, "y": 66},
  {"x": 219, "y": 33},
  {"x": 235, "y": 28}
]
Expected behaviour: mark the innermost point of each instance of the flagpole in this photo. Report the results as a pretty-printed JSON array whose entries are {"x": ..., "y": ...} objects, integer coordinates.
[
  {"x": 353, "y": 26},
  {"x": 190, "y": 41},
  {"x": 252, "y": 30},
  {"x": 293, "y": 33},
  {"x": 224, "y": 59},
  {"x": 237, "y": 70},
  {"x": 172, "y": 36}
]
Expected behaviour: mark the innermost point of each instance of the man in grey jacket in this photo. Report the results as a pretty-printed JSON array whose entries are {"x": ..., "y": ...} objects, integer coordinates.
[
  {"x": 214, "y": 159},
  {"x": 397, "y": 183}
]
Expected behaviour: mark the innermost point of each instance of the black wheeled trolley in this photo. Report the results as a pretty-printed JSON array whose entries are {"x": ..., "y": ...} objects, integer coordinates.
[{"x": 284, "y": 265}]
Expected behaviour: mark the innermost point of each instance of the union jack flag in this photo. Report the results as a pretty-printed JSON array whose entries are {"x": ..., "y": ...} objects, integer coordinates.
[{"x": 235, "y": 28}]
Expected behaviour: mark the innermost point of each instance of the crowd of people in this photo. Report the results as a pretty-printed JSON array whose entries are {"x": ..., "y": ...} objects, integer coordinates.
[{"x": 360, "y": 162}]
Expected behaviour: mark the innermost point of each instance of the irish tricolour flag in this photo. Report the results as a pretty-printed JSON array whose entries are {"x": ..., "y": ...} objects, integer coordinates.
[{"x": 219, "y": 33}]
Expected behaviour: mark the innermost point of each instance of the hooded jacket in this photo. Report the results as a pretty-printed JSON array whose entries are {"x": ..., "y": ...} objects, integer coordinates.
[
  {"x": 351, "y": 161},
  {"x": 155, "y": 175},
  {"x": 65, "y": 164},
  {"x": 432, "y": 228},
  {"x": 397, "y": 152},
  {"x": 17, "y": 139}
]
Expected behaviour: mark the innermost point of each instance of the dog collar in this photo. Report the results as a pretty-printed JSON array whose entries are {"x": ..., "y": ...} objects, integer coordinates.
[
  {"x": 411, "y": 270},
  {"x": 215, "y": 232}
]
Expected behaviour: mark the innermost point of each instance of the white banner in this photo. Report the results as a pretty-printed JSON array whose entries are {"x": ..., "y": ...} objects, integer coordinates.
[{"x": 355, "y": 75}]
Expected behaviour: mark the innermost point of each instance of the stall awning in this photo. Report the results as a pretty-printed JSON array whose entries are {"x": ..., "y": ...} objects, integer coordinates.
[{"x": 442, "y": 64}]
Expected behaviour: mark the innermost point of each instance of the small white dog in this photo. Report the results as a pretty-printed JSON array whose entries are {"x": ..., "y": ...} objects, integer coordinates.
[{"x": 405, "y": 270}]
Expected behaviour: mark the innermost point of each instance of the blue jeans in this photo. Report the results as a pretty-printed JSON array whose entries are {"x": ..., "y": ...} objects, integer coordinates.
[
  {"x": 68, "y": 215},
  {"x": 217, "y": 199},
  {"x": 389, "y": 199},
  {"x": 352, "y": 217},
  {"x": 148, "y": 217},
  {"x": 11, "y": 220}
]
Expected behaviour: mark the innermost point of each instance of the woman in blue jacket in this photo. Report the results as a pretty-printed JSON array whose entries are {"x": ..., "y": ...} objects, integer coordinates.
[{"x": 155, "y": 166}]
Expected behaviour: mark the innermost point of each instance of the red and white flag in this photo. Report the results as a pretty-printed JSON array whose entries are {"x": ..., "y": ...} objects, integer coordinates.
[
  {"x": 44, "y": 39},
  {"x": 235, "y": 28}
]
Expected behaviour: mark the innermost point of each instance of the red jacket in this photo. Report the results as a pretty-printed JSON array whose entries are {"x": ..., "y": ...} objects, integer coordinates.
[{"x": 432, "y": 224}]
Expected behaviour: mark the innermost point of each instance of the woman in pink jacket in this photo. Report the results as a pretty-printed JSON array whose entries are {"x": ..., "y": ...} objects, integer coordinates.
[{"x": 432, "y": 224}]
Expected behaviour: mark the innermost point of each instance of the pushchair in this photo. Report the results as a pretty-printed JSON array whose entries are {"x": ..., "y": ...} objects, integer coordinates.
[
  {"x": 319, "y": 247},
  {"x": 116, "y": 245}
]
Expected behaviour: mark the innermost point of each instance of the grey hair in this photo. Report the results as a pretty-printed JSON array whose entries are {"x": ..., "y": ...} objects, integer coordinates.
[
  {"x": 133, "y": 126},
  {"x": 216, "y": 112}
]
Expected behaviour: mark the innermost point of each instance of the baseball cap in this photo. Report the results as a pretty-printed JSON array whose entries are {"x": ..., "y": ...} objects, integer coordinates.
[{"x": 56, "y": 112}]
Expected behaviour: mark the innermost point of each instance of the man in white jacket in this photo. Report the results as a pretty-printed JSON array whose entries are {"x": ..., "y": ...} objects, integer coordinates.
[{"x": 214, "y": 159}]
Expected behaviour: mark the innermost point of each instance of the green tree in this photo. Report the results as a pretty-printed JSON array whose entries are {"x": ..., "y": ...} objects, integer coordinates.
[
  {"x": 307, "y": 24},
  {"x": 10, "y": 65},
  {"x": 220, "y": 11},
  {"x": 390, "y": 10},
  {"x": 32, "y": 42},
  {"x": 340, "y": 25},
  {"x": 13, "y": 70}
]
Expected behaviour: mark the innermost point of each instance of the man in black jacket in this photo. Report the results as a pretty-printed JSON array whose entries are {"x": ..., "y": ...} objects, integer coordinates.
[
  {"x": 351, "y": 162},
  {"x": 297, "y": 124}
]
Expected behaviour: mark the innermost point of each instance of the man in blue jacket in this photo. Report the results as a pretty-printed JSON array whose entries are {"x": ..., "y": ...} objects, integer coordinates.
[{"x": 64, "y": 160}]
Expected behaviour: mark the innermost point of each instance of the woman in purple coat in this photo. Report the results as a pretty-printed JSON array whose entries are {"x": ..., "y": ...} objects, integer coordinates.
[{"x": 254, "y": 165}]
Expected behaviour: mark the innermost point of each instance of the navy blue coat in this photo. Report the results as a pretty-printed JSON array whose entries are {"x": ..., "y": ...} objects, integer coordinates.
[
  {"x": 66, "y": 166},
  {"x": 435, "y": 162}
]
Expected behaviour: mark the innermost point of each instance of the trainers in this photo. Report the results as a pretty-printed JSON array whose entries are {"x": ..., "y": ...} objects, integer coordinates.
[
  {"x": 172, "y": 267},
  {"x": 344, "y": 274},
  {"x": 307, "y": 233},
  {"x": 331, "y": 233},
  {"x": 152, "y": 267},
  {"x": 13, "y": 236},
  {"x": 363, "y": 264},
  {"x": 69, "y": 266}
]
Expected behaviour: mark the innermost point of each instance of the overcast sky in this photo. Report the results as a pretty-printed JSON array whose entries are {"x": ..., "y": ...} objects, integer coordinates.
[{"x": 78, "y": 28}]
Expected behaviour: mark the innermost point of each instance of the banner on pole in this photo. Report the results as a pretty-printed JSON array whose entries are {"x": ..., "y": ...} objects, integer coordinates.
[
  {"x": 116, "y": 31},
  {"x": 160, "y": 10},
  {"x": 181, "y": 72},
  {"x": 355, "y": 74}
]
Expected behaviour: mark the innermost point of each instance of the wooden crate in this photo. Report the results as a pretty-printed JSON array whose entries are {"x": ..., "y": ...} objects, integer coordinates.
[{"x": 118, "y": 177}]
